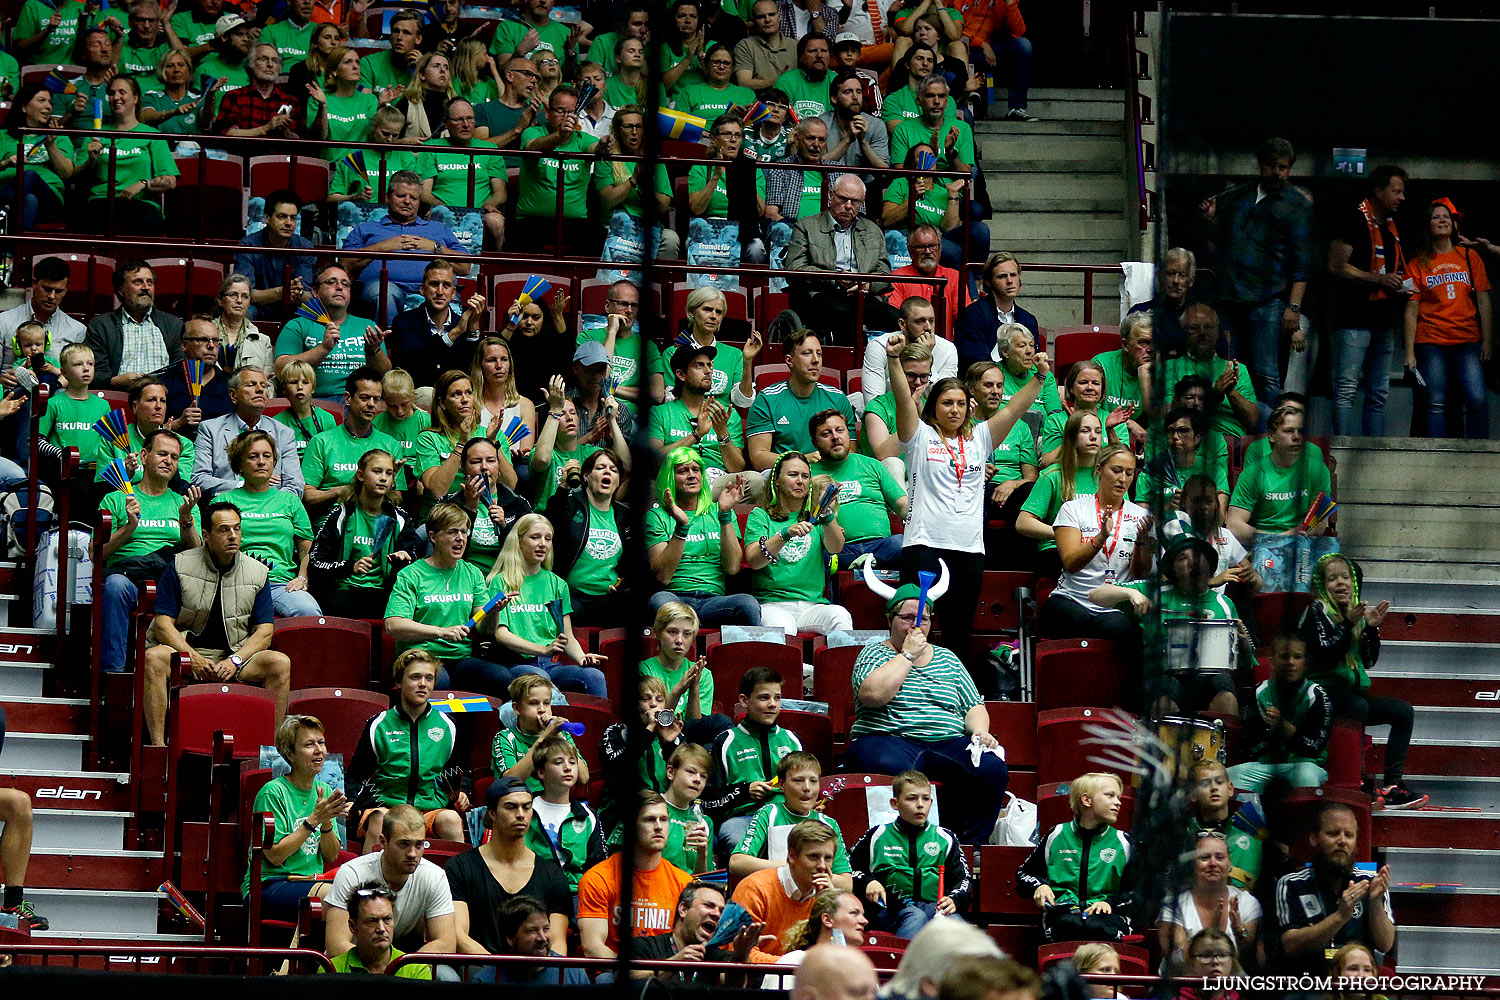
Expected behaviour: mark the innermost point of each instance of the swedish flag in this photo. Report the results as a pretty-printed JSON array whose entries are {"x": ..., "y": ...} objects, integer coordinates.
[
  {"x": 679, "y": 125},
  {"x": 463, "y": 705}
]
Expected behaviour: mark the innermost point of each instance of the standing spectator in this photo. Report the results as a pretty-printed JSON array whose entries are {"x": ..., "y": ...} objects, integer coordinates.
[
  {"x": 446, "y": 177},
  {"x": 1366, "y": 259},
  {"x": 372, "y": 925},
  {"x": 869, "y": 496},
  {"x": 278, "y": 532},
  {"x": 393, "y": 67},
  {"x": 141, "y": 168},
  {"x": 402, "y": 230},
  {"x": 840, "y": 240},
  {"x": 46, "y": 163},
  {"x": 1265, "y": 242},
  {"x": 1179, "y": 269},
  {"x": 424, "y": 906},
  {"x": 1331, "y": 903},
  {"x": 761, "y": 58},
  {"x": 260, "y": 107},
  {"x": 439, "y": 335},
  {"x": 594, "y": 530},
  {"x": 1448, "y": 324},
  {"x": 278, "y": 277},
  {"x": 788, "y": 554},
  {"x": 136, "y": 338},
  {"x": 980, "y": 322},
  {"x": 806, "y": 84},
  {"x": 43, "y": 305},
  {"x": 656, "y": 885},
  {"x": 854, "y": 137},
  {"x": 689, "y": 558},
  {"x": 248, "y": 388},
  {"x": 917, "y": 322},
  {"x": 347, "y": 574},
  {"x": 538, "y": 222},
  {"x": 340, "y": 346},
  {"x": 778, "y": 419},
  {"x": 794, "y": 192},
  {"x": 1235, "y": 412},
  {"x": 504, "y": 119}
]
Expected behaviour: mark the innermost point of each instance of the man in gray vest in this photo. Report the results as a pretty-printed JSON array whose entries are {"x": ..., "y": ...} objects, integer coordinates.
[{"x": 213, "y": 604}]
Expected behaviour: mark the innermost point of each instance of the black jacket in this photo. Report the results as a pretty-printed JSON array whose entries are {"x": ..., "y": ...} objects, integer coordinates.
[
  {"x": 413, "y": 346},
  {"x": 326, "y": 565},
  {"x": 974, "y": 333},
  {"x": 569, "y": 511}
]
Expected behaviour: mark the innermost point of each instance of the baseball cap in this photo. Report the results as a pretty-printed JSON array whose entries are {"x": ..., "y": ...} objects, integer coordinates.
[
  {"x": 227, "y": 23},
  {"x": 500, "y": 788},
  {"x": 591, "y": 352},
  {"x": 684, "y": 355},
  {"x": 846, "y": 38}
]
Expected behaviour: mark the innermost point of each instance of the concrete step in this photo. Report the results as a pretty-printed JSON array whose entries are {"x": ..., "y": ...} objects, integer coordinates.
[
  {"x": 1434, "y": 593},
  {"x": 1412, "y": 866},
  {"x": 1459, "y": 829},
  {"x": 1065, "y": 94},
  {"x": 1415, "y": 569},
  {"x": 1449, "y": 756},
  {"x": 1458, "y": 792},
  {"x": 66, "y": 829},
  {"x": 70, "y": 868},
  {"x": 90, "y": 911},
  {"x": 1083, "y": 105},
  {"x": 1023, "y": 132},
  {"x": 1099, "y": 246},
  {"x": 52, "y": 715},
  {"x": 43, "y": 750},
  {"x": 1449, "y": 950},
  {"x": 1413, "y": 532},
  {"x": 20, "y": 679},
  {"x": 1474, "y": 726},
  {"x": 1061, "y": 227},
  {"x": 1437, "y": 659},
  {"x": 1413, "y": 476},
  {"x": 52, "y": 789}
]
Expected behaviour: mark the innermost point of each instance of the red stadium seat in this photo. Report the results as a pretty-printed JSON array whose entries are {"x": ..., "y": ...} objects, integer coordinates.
[
  {"x": 1279, "y": 612},
  {"x": 118, "y": 399},
  {"x": 767, "y": 305},
  {"x": 1052, "y": 807},
  {"x": 326, "y": 651},
  {"x": 833, "y": 682},
  {"x": 1075, "y": 344},
  {"x": 866, "y": 607},
  {"x": 880, "y": 939},
  {"x": 1074, "y": 673},
  {"x": 440, "y": 852},
  {"x": 38, "y": 72},
  {"x": 884, "y": 957},
  {"x": 343, "y": 712},
  {"x": 1294, "y": 820},
  {"x": 845, "y": 796},
  {"x": 594, "y": 721},
  {"x": 308, "y": 179},
  {"x": 1062, "y": 754},
  {"x": 209, "y": 199},
  {"x": 769, "y": 375},
  {"x": 1014, "y": 725},
  {"x": 1346, "y": 752},
  {"x": 91, "y": 283},
  {"x": 997, "y": 881},
  {"x": 184, "y": 286},
  {"x": 854, "y": 382},
  {"x": 240, "y": 710},
  {"x": 1134, "y": 960},
  {"x": 999, "y": 611},
  {"x": 728, "y": 663},
  {"x": 815, "y": 730},
  {"x": 1019, "y": 941}
]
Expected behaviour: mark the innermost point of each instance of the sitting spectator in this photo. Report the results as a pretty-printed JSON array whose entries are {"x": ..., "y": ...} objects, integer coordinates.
[
  {"x": 561, "y": 828},
  {"x": 424, "y": 906},
  {"x": 836, "y": 915},
  {"x": 342, "y": 115},
  {"x": 743, "y": 776},
  {"x": 478, "y": 879},
  {"x": 617, "y": 184},
  {"x": 259, "y": 107},
  {"x": 690, "y": 559},
  {"x": 1354, "y": 962},
  {"x": 198, "y": 583},
  {"x": 1189, "y": 453},
  {"x": 1095, "y": 958},
  {"x": 768, "y": 140},
  {"x": 946, "y": 135},
  {"x": 1209, "y": 902},
  {"x": 1179, "y": 269},
  {"x": 332, "y": 456},
  {"x": 936, "y": 25},
  {"x": 1012, "y": 466},
  {"x": 787, "y": 542},
  {"x": 916, "y": 322},
  {"x": 1211, "y": 953},
  {"x": 188, "y": 408},
  {"x": 828, "y": 970},
  {"x": 393, "y": 67},
  {"x": 391, "y": 766},
  {"x": 304, "y": 810},
  {"x": 1274, "y": 490},
  {"x": 592, "y": 365},
  {"x": 505, "y": 117},
  {"x": 460, "y": 181},
  {"x": 806, "y": 84},
  {"x": 655, "y": 886},
  {"x": 302, "y": 418},
  {"x": 933, "y": 951},
  {"x": 41, "y": 37},
  {"x": 561, "y": 447},
  {"x": 986, "y": 978},
  {"x": 1235, "y": 411},
  {"x": 1127, "y": 372},
  {"x": 781, "y": 896},
  {"x": 275, "y": 293},
  {"x": 438, "y": 452},
  {"x": 400, "y": 231},
  {"x": 1015, "y": 351},
  {"x": 372, "y": 924},
  {"x": 778, "y": 419},
  {"x": 439, "y": 335},
  {"x": 916, "y": 708},
  {"x": 364, "y": 187},
  {"x": 524, "y": 926},
  {"x": 692, "y": 419},
  {"x": 534, "y": 26},
  {"x": 734, "y": 368},
  {"x": 690, "y": 842},
  {"x": 148, "y": 406},
  {"x": 15, "y": 844},
  {"x": 211, "y": 471},
  {"x": 855, "y": 138},
  {"x": 44, "y": 166},
  {"x": 292, "y": 33},
  {"x": 793, "y": 192},
  {"x": 123, "y": 179},
  {"x": 766, "y": 53},
  {"x": 690, "y": 687},
  {"x": 1342, "y": 637},
  {"x": 1083, "y": 390},
  {"x": 43, "y": 305},
  {"x": 869, "y": 495},
  {"x": 925, "y": 200},
  {"x": 798, "y": 777},
  {"x": 840, "y": 240},
  {"x": 1071, "y": 477},
  {"x": 694, "y": 921},
  {"x": 1211, "y": 798},
  {"x": 276, "y": 531},
  {"x": 344, "y": 343},
  {"x": 636, "y": 757},
  {"x": 1000, "y": 281},
  {"x": 231, "y": 58},
  {"x": 1331, "y": 903},
  {"x": 492, "y": 376},
  {"x": 240, "y": 341},
  {"x": 137, "y": 338},
  {"x": 594, "y": 529},
  {"x": 149, "y": 525},
  {"x": 714, "y": 94},
  {"x": 401, "y": 420},
  {"x": 925, "y": 244},
  {"x": 493, "y": 508},
  {"x": 68, "y": 420},
  {"x": 539, "y": 224},
  {"x": 170, "y": 103},
  {"x": 1289, "y": 728},
  {"x": 732, "y": 193},
  {"x": 899, "y": 871},
  {"x": 346, "y": 573},
  {"x": 1078, "y": 875},
  {"x": 902, "y": 98}
]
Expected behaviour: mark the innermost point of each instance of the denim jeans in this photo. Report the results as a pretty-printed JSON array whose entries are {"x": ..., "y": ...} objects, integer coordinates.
[
  {"x": 120, "y": 596},
  {"x": 729, "y": 834},
  {"x": 470, "y": 673},
  {"x": 1361, "y": 358},
  {"x": 293, "y": 604},
  {"x": 1014, "y": 54},
  {"x": 713, "y": 609},
  {"x": 1439, "y": 362},
  {"x": 369, "y": 296},
  {"x": 1258, "y": 339},
  {"x": 901, "y": 918},
  {"x": 953, "y": 250},
  {"x": 887, "y": 552}
]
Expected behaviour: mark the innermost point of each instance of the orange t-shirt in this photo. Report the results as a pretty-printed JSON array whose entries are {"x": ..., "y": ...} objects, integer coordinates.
[
  {"x": 655, "y": 897},
  {"x": 1445, "y": 287}
]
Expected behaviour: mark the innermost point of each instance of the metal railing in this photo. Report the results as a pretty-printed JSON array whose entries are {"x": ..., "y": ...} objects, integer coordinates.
[
  {"x": 602, "y": 964},
  {"x": 1139, "y": 68},
  {"x": 138, "y": 956}
]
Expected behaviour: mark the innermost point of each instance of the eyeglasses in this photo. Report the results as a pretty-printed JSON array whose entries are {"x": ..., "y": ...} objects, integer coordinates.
[
  {"x": 200, "y": 340},
  {"x": 923, "y": 246},
  {"x": 845, "y": 198},
  {"x": 461, "y": 120},
  {"x": 624, "y": 303},
  {"x": 906, "y": 619},
  {"x": 337, "y": 282},
  {"x": 918, "y": 379}
]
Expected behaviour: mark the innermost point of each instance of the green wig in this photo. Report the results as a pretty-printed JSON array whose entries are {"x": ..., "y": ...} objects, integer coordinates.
[{"x": 666, "y": 479}]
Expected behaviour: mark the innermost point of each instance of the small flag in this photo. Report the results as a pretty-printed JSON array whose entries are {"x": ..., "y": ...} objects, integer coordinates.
[
  {"x": 758, "y": 113},
  {"x": 681, "y": 125},
  {"x": 114, "y": 474},
  {"x": 925, "y": 579},
  {"x": 793, "y": 117},
  {"x": 534, "y": 289},
  {"x": 515, "y": 430},
  {"x": 313, "y": 309},
  {"x": 384, "y": 525},
  {"x": 495, "y": 603},
  {"x": 463, "y": 706},
  {"x": 1322, "y": 508},
  {"x": 926, "y": 161},
  {"x": 683, "y": 340},
  {"x": 824, "y": 509},
  {"x": 111, "y": 427},
  {"x": 487, "y": 496},
  {"x": 610, "y": 385},
  {"x": 355, "y": 161},
  {"x": 98, "y": 114},
  {"x": 59, "y": 84},
  {"x": 192, "y": 374}
]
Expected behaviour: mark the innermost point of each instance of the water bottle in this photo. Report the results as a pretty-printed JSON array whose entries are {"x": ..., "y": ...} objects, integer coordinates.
[{"x": 702, "y": 862}]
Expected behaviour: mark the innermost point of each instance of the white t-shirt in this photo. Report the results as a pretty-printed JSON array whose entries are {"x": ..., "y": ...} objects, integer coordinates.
[
  {"x": 1184, "y": 914},
  {"x": 1112, "y": 565},
  {"x": 873, "y": 380},
  {"x": 425, "y": 895},
  {"x": 552, "y": 814},
  {"x": 947, "y": 512},
  {"x": 1230, "y": 551}
]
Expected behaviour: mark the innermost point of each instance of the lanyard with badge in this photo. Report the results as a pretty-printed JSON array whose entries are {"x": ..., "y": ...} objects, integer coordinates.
[
  {"x": 960, "y": 461},
  {"x": 1114, "y": 543}
]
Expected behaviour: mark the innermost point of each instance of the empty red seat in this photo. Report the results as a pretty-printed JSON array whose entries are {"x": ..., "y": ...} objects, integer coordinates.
[
  {"x": 997, "y": 881},
  {"x": 1073, "y": 344},
  {"x": 308, "y": 179},
  {"x": 998, "y": 610},
  {"x": 1014, "y": 725},
  {"x": 91, "y": 283},
  {"x": 1062, "y": 753},
  {"x": 814, "y": 730},
  {"x": 866, "y": 607},
  {"x": 1075, "y": 673},
  {"x": 833, "y": 682},
  {"x": 240, "y": 710},
  {"x": 846, "y": 800},
  {"x": 186, "y": 286},
  {"x": 1279, "y": 612},
  {"x": 326, "y": 651}
]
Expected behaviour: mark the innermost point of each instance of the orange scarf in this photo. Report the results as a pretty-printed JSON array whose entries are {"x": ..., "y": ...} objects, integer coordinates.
[{"x": 1377, "y": 249}]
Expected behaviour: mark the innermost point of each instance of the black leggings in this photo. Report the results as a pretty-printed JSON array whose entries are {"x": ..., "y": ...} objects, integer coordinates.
[
  {"x": 1064, "y": 618},
  {"x": 955, "y": 609},
  {"x": 1373, "y": 710},
  {"x": 353, "y": 602}
]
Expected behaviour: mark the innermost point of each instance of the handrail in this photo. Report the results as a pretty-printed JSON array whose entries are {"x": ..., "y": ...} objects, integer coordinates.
[
  {"x": 1139, "y": 114},
  {"x": 71, "y": 466},
  {"x": 138, "y": 952},
  {"x": 601, "y": 964}
]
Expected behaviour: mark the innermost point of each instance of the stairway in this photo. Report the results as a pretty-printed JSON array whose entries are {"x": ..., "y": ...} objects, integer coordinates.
[
  {"x": 1421, "y": 518},
  {"x": 1058, "y": 191}
]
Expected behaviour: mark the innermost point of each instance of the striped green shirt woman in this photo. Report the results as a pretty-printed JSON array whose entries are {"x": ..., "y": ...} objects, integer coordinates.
[{"x": 930, "y": 705}]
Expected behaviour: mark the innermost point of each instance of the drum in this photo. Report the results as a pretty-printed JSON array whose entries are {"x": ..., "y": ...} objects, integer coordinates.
[
  {"x": 1192, "y": 740},
  {"x": 1201, "y": 645}
]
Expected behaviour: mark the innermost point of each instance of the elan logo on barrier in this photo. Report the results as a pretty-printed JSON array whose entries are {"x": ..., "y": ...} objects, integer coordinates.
[
  {"x": 1487, "y": 695},
  {"x": 75, "y": 794},
  {"x": 6, "y": 647}
]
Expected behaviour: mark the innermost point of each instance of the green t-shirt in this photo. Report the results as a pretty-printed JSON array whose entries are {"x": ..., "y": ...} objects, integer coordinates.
[
  {"x": 911, "y": 132},
  {"x": 1047, "y": 400},
  {"x": 883, "y": 409},
  {"x": 450, "y": 172},
  {"x": 442, "y": 598},
  {"x": 604, "y": 176},
  {"x": 1224, "y": 421},
  {"x": 808, "y": 99},
  {"x": 332, "y": 457},
  {"x": 1046, "y": 496},
  {"x": 1154, "y": 481},
  {"x": 903, "y": 105},
  {"x": 655, "y": 668},
  {"x": 931, "y": 208},
  {"x": 302, "y": 334},
  {"x": 349, "y": 963},
  {"x": 539, "y": 177},
  {"x": 633, "y": 355},
  {"x": 700, "y": 569},
  {"x": 1278, "y": 498},
  {"x": 484, "y": 541},
  {"x": 37, "y": 161},
  {"x": 1053, "y": 425},
  {"x": 404, "y": 432},
  {"x": 108, "y": 452},
  {"x": 318, "y": 421},
  {"x": 348, "y": 119},
  {"x": 677, "y": 851},
  {"x": 709, "y": 102},
  {"x": 191, "y": 31},
  {"x": 141, "y": 63},
  {"x": 346, "y": 180},
  {"x": 508, "y": 36},
  {"x": 674, "y": 421},
  {"x": 68, "y": 423},
  {"x": 431, "y": 450},
  {"x": 289, "y": 806},
  {"x": 552, "y": 479},
  {"x": 184, "y": 124},
  {"x": 270, "y": 523},
  {"x": 1018, "y": 449},
  {"x": 597, "y": 567},
  {"x": 718, "y": 205},
  {"x": 513, "y": 743},
  {"x": 136, "y": 159},
  {"x": 767, "y": 834},
  {"x": 157, "y": 528},
  {"x": 729, "y": 368},
  {"x": 602, "y": 51},
  {"x": 213, "y": 65},
  {"x": 868, "y": 494},
  {"x": 1122, "y": 386},
  {"x": 358, "y": 542},
  {"x": 783, "y": 414},
  {"x": 482, "y": 92},
  {"x": 536, "y": 615},
  {"x": 57, "y": 47},
  {"x": 379, "y": 70},
  {"x": 800, "y": 572},
  {"x": 291, "y": 41}
]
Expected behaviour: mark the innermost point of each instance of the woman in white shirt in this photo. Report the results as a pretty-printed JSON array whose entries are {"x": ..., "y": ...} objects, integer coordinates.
[
  {"x": 945, "y": 453},
  {"x": 1211, "y": 903},
  {"x": 1096, "y": 542}
]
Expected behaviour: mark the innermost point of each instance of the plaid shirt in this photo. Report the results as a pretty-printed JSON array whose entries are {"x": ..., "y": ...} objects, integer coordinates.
[
  {"x": 788, "y": 11},
  {"x": 142, "y": 346},
  {"x": 1266, "y": 244},
  {"x": 243, "y": 107},
  {"x": 784, "y": 188}
]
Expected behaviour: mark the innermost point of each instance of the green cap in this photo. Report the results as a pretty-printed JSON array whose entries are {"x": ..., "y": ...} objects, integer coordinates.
[{"x": 905, "y": 592}]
